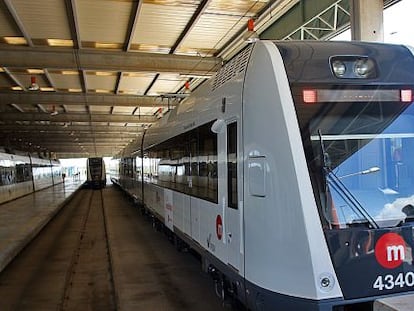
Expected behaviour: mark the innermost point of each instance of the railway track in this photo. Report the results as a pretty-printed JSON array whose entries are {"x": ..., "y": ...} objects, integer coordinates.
[
  {"x": 68, "y": 266},
  {"x": 89, "y": 279},
  {"x": 99, "y": 253}
]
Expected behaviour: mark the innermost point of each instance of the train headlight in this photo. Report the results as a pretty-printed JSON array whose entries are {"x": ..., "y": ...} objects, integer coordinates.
[
  {"x": 353, "y": 67},
  {"x": 339, "y": 68},
  {"x": 363, "y": 67}
]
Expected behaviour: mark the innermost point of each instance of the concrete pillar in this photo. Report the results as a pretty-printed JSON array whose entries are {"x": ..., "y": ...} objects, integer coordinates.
[{"x": 367, "y": 20}]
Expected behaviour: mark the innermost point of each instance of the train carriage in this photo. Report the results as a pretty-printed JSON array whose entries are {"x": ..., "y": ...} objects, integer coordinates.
[
  {"x": 95, "y": 173},
  {"x": 23, "y": 174},
  {"x": 45, "y": 173},
  {"x": 291, "y": 172}
]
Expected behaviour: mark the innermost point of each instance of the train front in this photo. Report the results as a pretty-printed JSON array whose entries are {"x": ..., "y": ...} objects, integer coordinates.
[
  {"x": 354, "y": 103},
  {"x": 96, "y": 175}
]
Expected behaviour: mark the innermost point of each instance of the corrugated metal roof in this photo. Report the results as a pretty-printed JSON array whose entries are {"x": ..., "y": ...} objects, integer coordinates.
[{"x": 106, "y": 65}]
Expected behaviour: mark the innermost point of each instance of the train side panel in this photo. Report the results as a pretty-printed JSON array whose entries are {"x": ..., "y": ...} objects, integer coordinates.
[
  {"x": 270, "y": 234},
  {"x": 15, "y": 177},
  {"x": 288, "y": 255},
  {"x": 221, "y": 230},
  {"x": 21, "y": 175},
  {"x": 203, "y": 222},
  {"x": 42, "y": 173},
  {"x": 14, "y": 191}
]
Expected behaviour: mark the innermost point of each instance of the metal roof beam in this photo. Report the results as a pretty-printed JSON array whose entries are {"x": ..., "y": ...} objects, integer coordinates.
[
  {"x": 67, "y": 147},
  {"x": 23, "y": 57},
  {"x": 73, "y": 23},
  {"x": 71, "y": 147},
  {"x": 49, "y": 78},
  {"x": 17, "y": 107},
  {"x": 52, "y": 128},
  {"x": 13, "y": 78},
  {"x": 18, "y": 21},
  {"x": 136, "y": 8},
  {"x": 34, "y": 98},
  {"x": 271, "y": 14},
  {"x": 196, "y": 16},
  {"x": 325, "y": 24},
  {"x": 75, "y": 117},
  {"x": 133, "y": 19},
  {"x": 52, "y": 144},
  {"x": 55, "y": 136}
]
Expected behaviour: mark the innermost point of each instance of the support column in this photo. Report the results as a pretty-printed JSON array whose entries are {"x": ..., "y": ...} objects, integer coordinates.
[{"x": 367, "y": 20}]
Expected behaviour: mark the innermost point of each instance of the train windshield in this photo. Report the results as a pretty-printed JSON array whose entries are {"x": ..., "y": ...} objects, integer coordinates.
[{"x": 361, "y": 158}]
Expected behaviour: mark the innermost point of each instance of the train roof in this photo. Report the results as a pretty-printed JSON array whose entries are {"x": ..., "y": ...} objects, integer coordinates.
[
  {"x": 4, "y": 156},
  {"x": 308, "y": 61},
  {"x": 200, "y": 106},
  {"x": 305, "y": 62}
]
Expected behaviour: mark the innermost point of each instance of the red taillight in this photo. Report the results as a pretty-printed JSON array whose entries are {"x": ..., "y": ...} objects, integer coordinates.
[{"x": 309, "y": 96}]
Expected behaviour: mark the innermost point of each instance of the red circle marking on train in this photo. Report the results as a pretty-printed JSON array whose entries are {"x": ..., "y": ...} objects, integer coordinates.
[
  {"x": 219, "y": 227},
  {"x": 390, "y": 250}
]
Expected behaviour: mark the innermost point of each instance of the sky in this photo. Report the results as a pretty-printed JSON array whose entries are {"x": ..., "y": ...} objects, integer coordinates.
[{"x": 398, "y": 24}]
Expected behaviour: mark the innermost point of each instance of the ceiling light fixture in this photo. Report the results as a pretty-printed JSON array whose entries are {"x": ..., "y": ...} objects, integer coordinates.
[
  {"x": 107, "y": 45},
  {"x": 15, "y": 40},
  {"x": 70, "y": 72},
  {"x": 60, "y": 42},
  {"x": 105, "y": 73},
  {"x": 35, "y": 71},
  {"x": 102, "y": 91},
  {"x": 47, "y": 89}
]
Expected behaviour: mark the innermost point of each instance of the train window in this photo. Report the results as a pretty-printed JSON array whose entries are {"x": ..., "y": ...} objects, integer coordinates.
[
  {"x": 19, "y": 173},
  {"x": 129, "y": 167},
  {"x": 194, "y": 164},
  {"x": 364, "y": 170},
  {"x": 188, "y": 163},
  {"x": 207, "y": 163},
  {"x": 232, "y": 165},
  {"x": 7, "y": 175}
]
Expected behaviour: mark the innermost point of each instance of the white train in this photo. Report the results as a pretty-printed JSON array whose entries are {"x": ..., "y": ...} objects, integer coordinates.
[
  {"x": 21, "y": 175},
  {"x": 291, "y": 172},
  {"x": 95, "y": 173}
]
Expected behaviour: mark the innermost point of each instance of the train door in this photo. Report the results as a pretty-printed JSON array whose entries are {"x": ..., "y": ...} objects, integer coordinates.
[
  {"x": 233, "y": 220},
  {"x": 232, "y": 209}
]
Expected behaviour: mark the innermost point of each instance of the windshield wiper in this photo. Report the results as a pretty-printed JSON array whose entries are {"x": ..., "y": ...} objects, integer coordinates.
[
  {"x": 349, "y": 198},
  {"x": 331, "y": 179},
  {"x": 371, "y": 170}
]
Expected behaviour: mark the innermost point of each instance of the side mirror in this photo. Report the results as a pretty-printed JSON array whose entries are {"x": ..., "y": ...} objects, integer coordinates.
[{"x": 218, "y": 126}]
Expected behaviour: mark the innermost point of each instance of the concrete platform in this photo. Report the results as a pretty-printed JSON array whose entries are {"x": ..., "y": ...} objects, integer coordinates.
[
  {"x": 23, "y": 218},
  {"x": 397, "y": 303}
]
